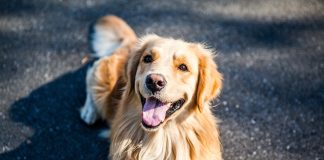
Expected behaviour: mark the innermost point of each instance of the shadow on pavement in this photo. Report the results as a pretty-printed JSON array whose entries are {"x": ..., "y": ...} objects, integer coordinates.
[{"x": 52, "y": 112}]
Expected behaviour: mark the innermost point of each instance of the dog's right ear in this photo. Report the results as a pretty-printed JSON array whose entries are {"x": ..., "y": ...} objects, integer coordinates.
[
  {"x": 134, "y": 60},
  {"x": 131, "y": 69}
]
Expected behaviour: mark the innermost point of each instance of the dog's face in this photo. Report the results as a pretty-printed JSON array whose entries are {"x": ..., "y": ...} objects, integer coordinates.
[{"x": 171, "y": 78}]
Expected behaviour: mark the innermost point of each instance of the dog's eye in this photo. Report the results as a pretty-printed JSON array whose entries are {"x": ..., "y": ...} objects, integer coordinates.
[
  {"x": 183, "y": 67},
  {"x": 148, "y": 59}
]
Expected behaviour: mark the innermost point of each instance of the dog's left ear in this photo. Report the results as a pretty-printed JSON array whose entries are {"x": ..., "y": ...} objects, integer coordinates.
[{"x": 210, "y": 80}]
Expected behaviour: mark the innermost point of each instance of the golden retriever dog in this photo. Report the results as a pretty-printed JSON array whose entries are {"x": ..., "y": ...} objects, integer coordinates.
[{"x": 154, "y": 92}]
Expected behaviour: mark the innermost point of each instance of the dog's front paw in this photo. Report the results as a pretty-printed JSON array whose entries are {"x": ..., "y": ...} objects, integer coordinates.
[{"x": 89, "y": 114}]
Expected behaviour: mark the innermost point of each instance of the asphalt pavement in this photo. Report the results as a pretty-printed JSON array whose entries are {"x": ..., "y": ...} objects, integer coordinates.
[{"x": 270, "y": 52}]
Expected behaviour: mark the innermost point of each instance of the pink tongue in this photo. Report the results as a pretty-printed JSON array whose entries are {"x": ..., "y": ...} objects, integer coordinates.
[{"x": 154, "y": 112}]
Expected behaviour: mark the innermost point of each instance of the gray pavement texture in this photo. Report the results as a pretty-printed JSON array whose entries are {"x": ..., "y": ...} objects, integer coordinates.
[{"x": 270, "y": 52}]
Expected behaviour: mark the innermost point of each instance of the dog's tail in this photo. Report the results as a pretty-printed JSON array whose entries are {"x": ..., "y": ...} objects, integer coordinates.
[{"x": 108, "y": 34}]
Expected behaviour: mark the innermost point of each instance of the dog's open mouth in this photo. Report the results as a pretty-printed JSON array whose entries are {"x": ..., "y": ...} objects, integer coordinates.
[{"x": 154, "y": 112}]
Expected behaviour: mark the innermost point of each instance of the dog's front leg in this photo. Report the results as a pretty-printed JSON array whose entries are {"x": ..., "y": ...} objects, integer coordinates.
[{"x": 88, "y": 112}]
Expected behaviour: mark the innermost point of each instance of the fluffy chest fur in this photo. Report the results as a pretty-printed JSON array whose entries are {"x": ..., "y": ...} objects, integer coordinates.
[{"x": 194, "y": 138}]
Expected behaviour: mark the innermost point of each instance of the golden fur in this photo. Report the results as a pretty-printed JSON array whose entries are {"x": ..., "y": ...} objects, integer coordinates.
[{"x": 116, "y": 83}]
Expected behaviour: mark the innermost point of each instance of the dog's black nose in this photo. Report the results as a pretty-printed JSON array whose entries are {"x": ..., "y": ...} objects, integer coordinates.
[{"x": 155, "y": 82}]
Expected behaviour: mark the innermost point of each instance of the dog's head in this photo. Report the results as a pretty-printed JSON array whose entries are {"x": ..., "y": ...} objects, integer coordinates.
[{"x": 171, "y": 78}]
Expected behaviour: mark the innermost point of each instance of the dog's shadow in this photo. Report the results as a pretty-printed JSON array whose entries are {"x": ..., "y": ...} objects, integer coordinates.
[{"x": 52, "y": 112}]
